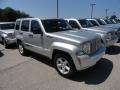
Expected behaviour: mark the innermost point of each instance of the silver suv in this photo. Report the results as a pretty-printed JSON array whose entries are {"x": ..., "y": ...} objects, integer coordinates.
[
  {"x": 7, "y": 36},
  {"x": 69, "y": 50},
  {"x": 108, "y": 36}
]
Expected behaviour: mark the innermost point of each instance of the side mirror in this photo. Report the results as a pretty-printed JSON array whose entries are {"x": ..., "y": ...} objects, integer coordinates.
[{"x": 37, "y": 31}]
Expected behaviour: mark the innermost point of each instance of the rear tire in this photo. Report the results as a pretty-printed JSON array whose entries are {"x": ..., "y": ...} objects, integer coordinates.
[
  {"x": 21, "y": 48},
  {"x": 64, "y": 65}
]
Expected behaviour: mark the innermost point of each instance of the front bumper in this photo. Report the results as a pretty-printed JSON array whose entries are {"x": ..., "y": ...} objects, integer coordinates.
[
  {"x": 87, "y": 61},
  {"x": 111, "y": 42},
  {"x": 10, "y": 41}
]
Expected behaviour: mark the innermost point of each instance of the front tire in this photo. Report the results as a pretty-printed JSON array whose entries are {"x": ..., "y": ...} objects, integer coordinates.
[{"x": 64, "y": 65}]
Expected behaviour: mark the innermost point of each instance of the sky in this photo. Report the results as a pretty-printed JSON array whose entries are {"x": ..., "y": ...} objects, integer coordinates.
[{"x": 67, "y": 8}]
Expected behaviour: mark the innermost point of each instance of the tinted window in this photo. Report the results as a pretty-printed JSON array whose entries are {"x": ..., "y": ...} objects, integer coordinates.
[
  {"x": 7, "y": 26},
  {"x": 25, "y": 25},
  {"x": 17, "y": 25},
  {"x": 108, "y": 21},
  {"x": 113, "y": 21},
  {"x": 74, "y": 24},
  {"x": 35, "y": 27},
  {"x": 100, "y": 22},
  {"x": 94, "y": 23},
  {"x": 55, "y": 25}
]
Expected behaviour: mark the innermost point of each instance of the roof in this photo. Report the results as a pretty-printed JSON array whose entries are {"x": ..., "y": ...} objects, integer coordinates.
[{"x": 6, "y": 22}]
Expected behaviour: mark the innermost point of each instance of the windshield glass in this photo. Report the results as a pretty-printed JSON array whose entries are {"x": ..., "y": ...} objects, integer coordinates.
[
  {"x": 85, "y": 23},
  {"x": 56, "y": 25},
  {"x": 108, "y": 21},
  {"x": 113, "y": 21},
  {"x": 7, "y": 26},
  {"x": 94, "y": 23},
  {"x": 101, "y": 22}
]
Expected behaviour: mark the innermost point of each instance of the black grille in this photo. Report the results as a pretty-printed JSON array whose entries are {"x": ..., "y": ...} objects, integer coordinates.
[{"x": 95, "y": 45}]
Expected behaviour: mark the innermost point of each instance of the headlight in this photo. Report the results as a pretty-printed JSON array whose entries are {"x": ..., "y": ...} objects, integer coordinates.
[
  {"x": 86, "y": 48},
  {"x": 10, "y": 35},
  {"x": 108, "y": 36}
]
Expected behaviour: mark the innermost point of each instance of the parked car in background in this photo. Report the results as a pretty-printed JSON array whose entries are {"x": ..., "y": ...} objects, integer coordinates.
[
  {"x": 108, "y": 24},
  {"x": 108, "y": 36},
  {"x": 69, "y": 49},
  {"x": 112, "y": 24},
  {"x": 115, "y": 28},
  {"x": 7, "y": 36}
]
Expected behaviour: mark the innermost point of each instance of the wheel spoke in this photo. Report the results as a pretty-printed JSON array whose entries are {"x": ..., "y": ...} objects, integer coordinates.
[
  {"x": 63, "y": 65},
  {"x": 60, "y": 61},
  {"x": 59, "y": 65},
  {"x": 65, "y": 62},
  {"x": 67, "y": 68},
  {"x": 63, "y": 69}
]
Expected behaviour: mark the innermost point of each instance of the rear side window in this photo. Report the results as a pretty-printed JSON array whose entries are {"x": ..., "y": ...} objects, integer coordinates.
[
  {"x": 25, "y": 25},
  {"x": 17, "y": 25}
]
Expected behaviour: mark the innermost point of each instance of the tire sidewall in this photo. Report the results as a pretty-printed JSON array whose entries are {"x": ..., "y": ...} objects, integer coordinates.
[
  {"x": 22, "y": 53},
  {"x": 70, "y": 61}
]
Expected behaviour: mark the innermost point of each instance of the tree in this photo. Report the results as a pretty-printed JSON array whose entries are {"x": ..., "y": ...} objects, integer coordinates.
[{"x": 10, "y": 15}]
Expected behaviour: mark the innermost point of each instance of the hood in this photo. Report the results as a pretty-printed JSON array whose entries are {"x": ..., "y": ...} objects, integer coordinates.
[
  {"x": 114, "y": 26},
  {"x": 75, "y": 36},
  {"x": 7, "y": 31},
  {"x": 102, "y": 29}
]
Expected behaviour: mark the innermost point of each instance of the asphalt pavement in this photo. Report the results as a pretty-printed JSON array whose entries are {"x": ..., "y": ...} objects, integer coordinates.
[{"x": 35, "y": 72}]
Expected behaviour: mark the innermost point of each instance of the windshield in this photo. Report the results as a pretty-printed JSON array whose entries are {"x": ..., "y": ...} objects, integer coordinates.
[
  {"x": 56, "y": 25},
  {"x": 94, "y": 23},
  {"x": 85, "y": 23},
  {"x": 108, "y": 21},
  {"x": 113, "y": 21},
  {"x": 7, "y": 26},
  {"x": 101, "y": 22}
]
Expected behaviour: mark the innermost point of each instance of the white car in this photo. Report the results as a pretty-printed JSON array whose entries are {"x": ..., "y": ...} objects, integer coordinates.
[{"x": 7, "y": 36}]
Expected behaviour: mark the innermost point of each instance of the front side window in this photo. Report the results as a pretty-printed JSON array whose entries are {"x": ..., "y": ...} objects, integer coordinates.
[
  {"x": 94, "y": 23},
  {"x": 35, "y": 27},
  {"x": 108, "y": 21},
  {"x": 100, "y": 22},
  {"x": 113, "y": 21},
  {"x": 7, "y": 26},
  {"x": 74, "y": 24},
  {"x": 25, "y": 25},
  {"x": 17, "y": 25},
  {"x": 55, "y": 25}
]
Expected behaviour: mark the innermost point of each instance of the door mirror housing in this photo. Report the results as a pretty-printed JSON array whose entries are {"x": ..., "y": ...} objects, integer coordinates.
[{"x": 37, "y": 32}]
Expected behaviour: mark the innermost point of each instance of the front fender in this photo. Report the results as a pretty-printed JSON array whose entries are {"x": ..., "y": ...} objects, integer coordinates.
[
  {"x": 3, "y": 35},
  {"x": 72, "y": 50}
]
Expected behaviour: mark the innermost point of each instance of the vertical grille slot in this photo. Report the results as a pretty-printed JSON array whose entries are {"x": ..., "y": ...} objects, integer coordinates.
[{"x": 95, "y": 45}]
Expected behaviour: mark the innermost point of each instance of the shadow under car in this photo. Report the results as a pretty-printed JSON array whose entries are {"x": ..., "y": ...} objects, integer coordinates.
[
  {"x": 113, "y": 50},
  {"x": 96, "y": 74}
]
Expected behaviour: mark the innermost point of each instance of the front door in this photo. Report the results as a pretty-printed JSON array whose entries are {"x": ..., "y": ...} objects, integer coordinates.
[{"x": 36, "y": 41}]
